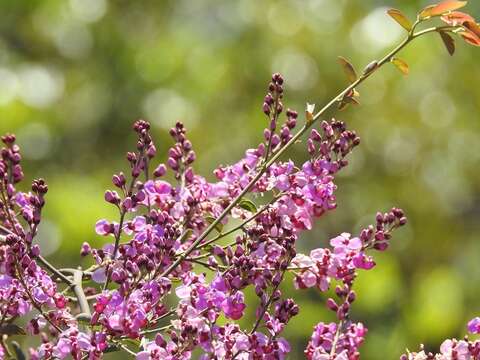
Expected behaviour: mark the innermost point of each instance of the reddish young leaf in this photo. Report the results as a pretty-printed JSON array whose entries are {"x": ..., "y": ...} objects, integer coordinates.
[
  {"x": 473, "y": 27},
  {"x": 401, "y": 65},
  {"x": 348, "y": 68},
  {"x": 456, "y": 18},
  {"x": 400, "y": 18},
  {"x": 470, "y": 37},
  {"x": 352, "y": 100},
  {"x": 442, "y": 8},
  {"x": 448, "y": 41},
  {"x": 342, "y": 105}
]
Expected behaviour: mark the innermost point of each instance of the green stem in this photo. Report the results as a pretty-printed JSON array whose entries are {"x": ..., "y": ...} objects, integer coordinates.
[
  {"x": 240, "y": 226},
  {"x": 335, "y": 339}
]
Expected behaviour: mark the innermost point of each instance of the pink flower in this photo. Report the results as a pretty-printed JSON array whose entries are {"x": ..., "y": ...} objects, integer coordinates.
[
  {"x": 362, "y": 261},
  {"x": 103, "y": 227},
  {"x": 474, "y": 326},
  {"x": 343, "y": 243},
  {"x": 99, "y": 275},
  {"x": 233, "y": 306}
]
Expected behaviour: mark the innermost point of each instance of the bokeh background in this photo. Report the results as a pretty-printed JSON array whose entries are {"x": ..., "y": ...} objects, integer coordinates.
[{"x": 75, "y": 74}]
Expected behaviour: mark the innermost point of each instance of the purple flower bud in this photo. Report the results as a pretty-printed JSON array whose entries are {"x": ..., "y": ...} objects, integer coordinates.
[
  {"x": 285, "y": 133},
  {"x": 266, "y": 134},
  {"x": 112, "y": 197},
  {"x": 127, "y": 204},
  {"x": 266, "y": 109},
  {"x": 331, "y": 304},
  {"x": 268, "y": 99},
  {"x": 190, "y": 157},
  {"x": 291, "y": 123},
  {"x": 292, "y": 114},
  {"x": 85, "y": 249},
  {"x": 310, "y": 147},
  {"x": 218, "y": 251},
  {"x": 187, "y": 145},
  {"x": 140, "y": 196},
  {"x": 136, "y": 171},
  {"x": 275, "y": 140},
  {"x": 261, "y": 149},
  {"x": 189, "y": 175},
  {"x": 160, "y": 170},
  {"x": 35, "y": 250},
  {"x": 279, "y": 107},
  {"x": 119, "y": 180},
  {"x": 273, "y": 125},
  {"x": 172, "y": 163},
  {"x": 151, "y": 151}
]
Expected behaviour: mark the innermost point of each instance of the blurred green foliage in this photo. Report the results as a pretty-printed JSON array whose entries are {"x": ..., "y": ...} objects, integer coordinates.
[{"x": 74, "y": 74}]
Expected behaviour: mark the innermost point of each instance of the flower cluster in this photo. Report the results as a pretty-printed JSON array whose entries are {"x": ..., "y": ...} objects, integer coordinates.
[
  {"x": 341, "y": 340},
  {"x": 170, "y": 280},
  {"x": 451, "y": 349}
]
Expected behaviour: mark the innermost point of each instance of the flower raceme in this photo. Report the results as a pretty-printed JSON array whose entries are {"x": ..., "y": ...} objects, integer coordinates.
[{"x": 171, "y": 279}]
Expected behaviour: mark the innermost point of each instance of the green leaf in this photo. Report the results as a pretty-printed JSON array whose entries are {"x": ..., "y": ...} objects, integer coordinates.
[
  {"x": 348, "y": 68},
  {"x": 18, "y": 351},
  {"x": 84, "y": 318},
  {"x": 400, "y": 18},
  {"x": 133, "y": 342},
  {"x": 401, "y": 65},
  {"x": 11, "y": 329},
  {"x": 248, "y": 205},
  {"x": 448, "y": 41},
  {"x": 111, "y": 348},
  {"x": 211, "y": 220}
]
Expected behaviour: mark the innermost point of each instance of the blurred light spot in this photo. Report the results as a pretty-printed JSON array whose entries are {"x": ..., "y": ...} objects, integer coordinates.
[
  {"x": 379, "y": 288},
  {"x": 442, "y": 173},
  {"x": 400, "y": 150},
  {"x": 375, "y": 32},
  {"x": 374, "y": 91},
  {"x": 437, "y": 109},
  {"x": 408, "y": 93},
  {"x": 155, "y": 66},
  {"x": 35, "y": 141},
  {"x": 437, "y": 304},
  {"x": 299, "y": 69},
  {"x": 72, "y": 40},
  {"x": 246, "y": 10},
  {"x": 40, "y": 87},
  {"x": 355, "y": 163},
  {"x": 206, "y": 68},
  {"x": 461, "y": 143},
  {"x": 284, "y": 18},
  {"x": 230, "y": 13},
  {"x": 88, "y": 10},
  {"x": 9, "y": 86},
  {"x": 48, "y": 237},
  {"x": 163, "y": 107},
  {"x": 87, "y": 104},
  {"x": 323, "y": 15}
]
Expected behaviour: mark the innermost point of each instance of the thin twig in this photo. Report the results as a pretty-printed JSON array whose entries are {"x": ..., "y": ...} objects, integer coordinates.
[{"x": 292, "y": 141}]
